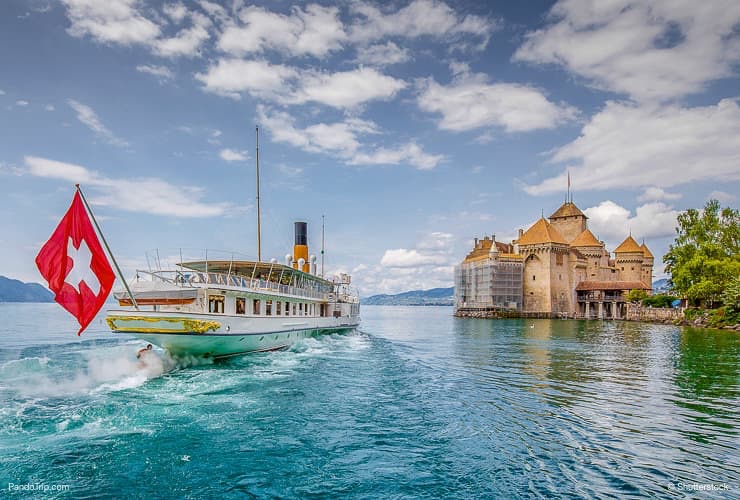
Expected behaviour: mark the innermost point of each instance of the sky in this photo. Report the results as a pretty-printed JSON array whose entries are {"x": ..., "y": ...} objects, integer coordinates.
[{"x": 412, "y": 126}]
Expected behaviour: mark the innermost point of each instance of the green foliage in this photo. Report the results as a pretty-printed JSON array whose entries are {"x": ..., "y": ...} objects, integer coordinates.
[
  {"x": 705, "y": 256},
  {"x": 691, "y": 313},
  {"x": 658, "y": 301},
  {"x": 723, "y": 316},
  {"x": 731, "y": 295},
  {"x": 636, "y": 295}
]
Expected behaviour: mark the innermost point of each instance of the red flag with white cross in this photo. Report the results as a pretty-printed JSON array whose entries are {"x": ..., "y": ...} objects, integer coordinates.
[{"x": 75, "y": 266}]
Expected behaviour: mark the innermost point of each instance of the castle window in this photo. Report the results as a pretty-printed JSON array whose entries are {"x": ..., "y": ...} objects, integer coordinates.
[
  {"x": 533, "y": 278},
  {"x": 632, "y": 268},
  {"x": 560, "y": 277}
]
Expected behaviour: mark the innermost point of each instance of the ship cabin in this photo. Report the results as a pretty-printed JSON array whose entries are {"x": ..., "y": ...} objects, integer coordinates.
[{"x": 248, "y": 288}]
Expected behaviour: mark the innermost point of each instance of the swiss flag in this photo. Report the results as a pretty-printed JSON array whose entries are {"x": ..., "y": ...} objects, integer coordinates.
[{"x": 74, "y": 264}]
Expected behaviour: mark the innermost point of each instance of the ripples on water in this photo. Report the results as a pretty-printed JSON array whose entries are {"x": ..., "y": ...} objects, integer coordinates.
[{"x": 414, "y": 404}]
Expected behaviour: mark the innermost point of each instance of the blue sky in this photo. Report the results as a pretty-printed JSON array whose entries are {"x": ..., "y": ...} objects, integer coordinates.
[{"x": 413, "y": 126}]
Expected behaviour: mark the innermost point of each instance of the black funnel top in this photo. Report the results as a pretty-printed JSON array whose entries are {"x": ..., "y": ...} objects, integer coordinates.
[{"x": 301, "y": 233}]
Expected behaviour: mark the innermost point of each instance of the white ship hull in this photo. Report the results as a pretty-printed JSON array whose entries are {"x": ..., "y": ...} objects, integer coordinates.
[{"x": 219, "y": 335}]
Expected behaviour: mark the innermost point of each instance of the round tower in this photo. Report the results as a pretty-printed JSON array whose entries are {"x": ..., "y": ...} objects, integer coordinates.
[{"x": 628, "y": 259}]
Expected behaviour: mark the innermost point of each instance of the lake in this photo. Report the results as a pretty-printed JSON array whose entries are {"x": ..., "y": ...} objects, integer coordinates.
[{"x": 415, "y": 403}]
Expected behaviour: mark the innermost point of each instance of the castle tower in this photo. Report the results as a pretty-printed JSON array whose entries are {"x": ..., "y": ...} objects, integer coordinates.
[
  {"x": 593, "y": 250},
  {"x": 647, "y": 265},
  {"x": 546, "y": 276},
  {"x": 569, "y": 221},
  {"x": 628, "y": 259}
]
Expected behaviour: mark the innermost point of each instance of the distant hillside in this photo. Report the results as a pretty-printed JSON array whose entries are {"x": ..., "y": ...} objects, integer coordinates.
[
  {"x": 661, "y": 286},
  {"x": 16, "y": 291},
  {"x": 433, "y": 297}
]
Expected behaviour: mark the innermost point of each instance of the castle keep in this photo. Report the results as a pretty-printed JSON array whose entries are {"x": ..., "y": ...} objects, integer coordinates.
[{"x": 557, "y": 268}]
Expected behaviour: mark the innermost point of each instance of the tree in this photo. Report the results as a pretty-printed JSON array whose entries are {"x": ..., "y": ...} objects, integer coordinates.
[
  {"x": 636, "y": 295},
  {"x": 705, "y": 256},
  {"x": 731, "y": 295}
]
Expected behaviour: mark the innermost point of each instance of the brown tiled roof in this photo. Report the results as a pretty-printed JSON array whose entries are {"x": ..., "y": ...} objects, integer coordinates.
[
  {"x": 646, "y": 251},
  {"x": 629, "y": 245},
  {"x": 567, "y": 209},
  {"x": 586, "y": 239},
  {"x": 541, "y": 232},
  {"x": 611, "y": 285}
]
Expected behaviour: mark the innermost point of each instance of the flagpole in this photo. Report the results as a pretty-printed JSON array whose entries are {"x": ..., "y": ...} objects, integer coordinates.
[{"x": 110, "y": 254}]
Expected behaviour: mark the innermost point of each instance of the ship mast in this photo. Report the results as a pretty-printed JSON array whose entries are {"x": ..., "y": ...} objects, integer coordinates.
[
  {"x": 322, "y": 246},
  {"x": 259, "y": 231}
]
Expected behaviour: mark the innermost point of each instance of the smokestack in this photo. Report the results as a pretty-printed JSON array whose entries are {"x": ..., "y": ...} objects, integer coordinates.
[{"x": 300, "y": 249}]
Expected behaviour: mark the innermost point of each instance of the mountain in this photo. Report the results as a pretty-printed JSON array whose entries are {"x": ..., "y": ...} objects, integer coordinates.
[
  {"x": 16, "y": 291},
  {"x": 433, "y": 297},
  {"x": 661, "y": 286}
]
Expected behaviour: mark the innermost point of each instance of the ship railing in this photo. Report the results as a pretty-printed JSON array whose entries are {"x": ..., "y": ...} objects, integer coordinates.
[{"x": 191, "y": 278}]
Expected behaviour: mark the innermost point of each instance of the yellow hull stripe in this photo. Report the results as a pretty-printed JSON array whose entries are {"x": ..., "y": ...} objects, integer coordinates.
[{"x": 185, "y": 325}]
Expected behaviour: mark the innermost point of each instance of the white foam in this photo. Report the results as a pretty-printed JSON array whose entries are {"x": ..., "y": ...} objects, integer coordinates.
[{"x": 107, "y": 369}]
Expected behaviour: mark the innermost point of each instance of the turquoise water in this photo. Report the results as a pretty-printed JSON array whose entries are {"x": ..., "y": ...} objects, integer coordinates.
[{"x": 414, "y": 404}]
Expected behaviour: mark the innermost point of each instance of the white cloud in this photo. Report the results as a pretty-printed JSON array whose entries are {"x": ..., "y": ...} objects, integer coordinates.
[
  {"x": 347, "y": 89},
  {"x": 612, "y": 222},
  {"x": 631, "y": 146},
  {"x": 147, "y": 195},
  {"x": 161, "y": 72},
  {"x": 315, "y": 31},
  {"x": 88, "y": 117},
  {"x": 187, "y": 41},
  {"x": 231, "y": 155},
  {"x": 419, "y": 18},
  {"x": 175, "y": 11},
  {"x": 260, "y": 78},
  {"x": 287, "y": 85},
  {"x": 470, "y": 102},
  {"x": 654, "y": 50},
  {"x": 722, "y": 197},
  {"x": 127, "y": 22},
  {"x": 6, "y": 169},
  {"x": 22, "y": 103},
  {"x": 112, "y": 21},
  {"x": 382, "y": 54},
  {"x": 2, "y": 92},
  {"x": 410, "y": 153},
  {"x": 402, "y": 257},
  {"x": 341, "y": 140},
  {"x": 216, "y": 11},
  {"x": 656, "y": 194},
  {"x": 49, "y": 107},
  {"x": 429, "y": 265}
]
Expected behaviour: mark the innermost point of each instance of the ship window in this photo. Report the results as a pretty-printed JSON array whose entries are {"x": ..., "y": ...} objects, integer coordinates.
[
  {"x": 256, "y": 306},
  {"x": 241, "y": 305},
  {"x": 294, "y": 308},
  {"x": 287, "y": 308},
  {"x": 305, "y": 309},
  {"x": 216, "y": 303},
  {"x": 278, "y": 306},
  {"x": 268, "y": 308},
  {"x": 300, "y": 309}
]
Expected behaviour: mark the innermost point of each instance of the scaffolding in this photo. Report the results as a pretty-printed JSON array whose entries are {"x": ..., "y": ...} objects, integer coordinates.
[{"x": 489, "y": 284}]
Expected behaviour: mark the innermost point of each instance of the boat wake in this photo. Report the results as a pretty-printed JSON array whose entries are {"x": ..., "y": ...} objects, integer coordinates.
[{"x": 90, "y": 371}]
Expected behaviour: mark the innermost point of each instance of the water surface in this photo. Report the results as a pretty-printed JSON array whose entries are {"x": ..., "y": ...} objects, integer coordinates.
[{"x": 416, "y": 403}]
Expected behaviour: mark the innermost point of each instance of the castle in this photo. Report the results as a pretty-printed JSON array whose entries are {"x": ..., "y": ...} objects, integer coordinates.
[{"x": 557, "y": 268}]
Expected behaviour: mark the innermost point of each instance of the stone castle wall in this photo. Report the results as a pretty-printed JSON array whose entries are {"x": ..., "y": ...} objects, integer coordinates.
[{"x": 638, "y": 312}]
